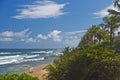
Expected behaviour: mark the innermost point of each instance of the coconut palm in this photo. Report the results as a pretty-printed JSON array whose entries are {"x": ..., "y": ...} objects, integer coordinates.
[
  {"x": 94, "y": 35},
  {"x": 116, "y": 3},
  {"x": 112, "y": 22}
]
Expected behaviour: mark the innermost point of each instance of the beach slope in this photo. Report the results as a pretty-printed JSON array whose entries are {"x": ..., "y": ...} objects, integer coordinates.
[{"x": 38, "y": 72}]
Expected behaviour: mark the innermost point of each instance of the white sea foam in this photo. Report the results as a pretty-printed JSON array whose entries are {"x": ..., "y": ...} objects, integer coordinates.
[
  {"x": 58, "y": 54},
  {"x": 18, "y": 59},
  {"x": 38, "y": 52},
  {"x": 10, "y": 60},
  {"x": 22, "y": 57},
  {"x": 2, "y": 62},
  {"x": 31, "y": 56},
  {"x": 43, "y": 52},
  {"x": 9, "y": 57},
  {"x": 49, "y": 52},
  {"x": 5, "y": 53},
  {"x": 10, "y": 52},
  {"x": 37, "y": 59}
]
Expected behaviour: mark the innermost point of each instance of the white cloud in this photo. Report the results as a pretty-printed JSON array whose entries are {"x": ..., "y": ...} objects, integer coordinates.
[
  {"x": 102, "y": 13},
  {"x": 31, "y": 40},
  {"x": 6, "y": 39},
  {"x": 20, "y": 34},
  {"x": 75, "y": 32},
  {"x": 41, "y": 9},
  {"x": 72, "y": 42},
  {"x": 66, "y": 38},
  {"x": 24, "y": 36},
  {"x": 40, "y": 36},
  {"x": 7, "y": 34},
  {"x": 24, "y": 33},
  {"x": 17, "y": 36},
  {"x": 55, "y": 35},
  {"x": 70, "y": 39}
]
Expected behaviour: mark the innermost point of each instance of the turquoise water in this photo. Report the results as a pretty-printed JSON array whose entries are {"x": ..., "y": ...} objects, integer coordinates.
[{"x": 18, "y": 60}]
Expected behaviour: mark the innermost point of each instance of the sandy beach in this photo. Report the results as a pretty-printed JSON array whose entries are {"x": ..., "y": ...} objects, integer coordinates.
[{"x": 38, "y": 71}]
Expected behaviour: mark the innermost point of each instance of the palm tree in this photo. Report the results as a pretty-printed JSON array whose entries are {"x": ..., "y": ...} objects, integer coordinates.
[
  {"x": 116, "y": 3},
  {"x": 94, "y": 35},
  {"x": 112, "y": 22}
]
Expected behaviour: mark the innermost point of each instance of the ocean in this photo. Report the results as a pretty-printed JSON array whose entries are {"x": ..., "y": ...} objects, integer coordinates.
[{"x": 19, "y": 60}]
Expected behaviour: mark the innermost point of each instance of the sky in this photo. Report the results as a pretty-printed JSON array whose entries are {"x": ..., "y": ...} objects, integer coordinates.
[{"x": 38, "y": 24}]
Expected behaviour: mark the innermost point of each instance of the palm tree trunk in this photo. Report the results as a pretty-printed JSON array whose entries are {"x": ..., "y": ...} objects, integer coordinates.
[{"x": 111, "y": 37}]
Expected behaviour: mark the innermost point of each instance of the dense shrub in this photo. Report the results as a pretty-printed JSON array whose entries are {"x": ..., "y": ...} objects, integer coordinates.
[
  {"x": 117, "y": 46},
  {"x": 17, "y": 77},
  {"x": 93, "y": 62}
]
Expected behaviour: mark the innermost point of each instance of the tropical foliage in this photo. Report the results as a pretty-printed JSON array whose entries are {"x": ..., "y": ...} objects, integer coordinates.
[
  {"x": 17, "y": 77},
  {"x": 94, "y": 35},
  {"x": 93, "y": 62},
  {"x": 94, "y": 58},
  {"x": 112, "y": 23}
]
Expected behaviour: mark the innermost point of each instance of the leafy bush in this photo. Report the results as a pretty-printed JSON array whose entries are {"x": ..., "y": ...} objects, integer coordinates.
[
  {"x": 17, "y": 77},
  {"x": 117, "y": 46},
  {"x": 93, "y": 62}
]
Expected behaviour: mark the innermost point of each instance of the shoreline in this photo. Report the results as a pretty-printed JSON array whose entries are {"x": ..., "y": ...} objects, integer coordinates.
[{"x": 38, "y": 71}]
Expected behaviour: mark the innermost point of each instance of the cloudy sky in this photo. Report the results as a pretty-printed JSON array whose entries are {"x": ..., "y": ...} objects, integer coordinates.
[{"x": 48, "y": 23}]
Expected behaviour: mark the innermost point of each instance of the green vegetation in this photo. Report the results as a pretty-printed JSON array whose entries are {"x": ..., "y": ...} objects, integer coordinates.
[
  {"x": 96, "y": 57},
  {"x": 112, "y": 22},
  {"x": 94, "y": 35},
  {"x": 17, "y": 77},
  {"x": 93, "y": 62}
]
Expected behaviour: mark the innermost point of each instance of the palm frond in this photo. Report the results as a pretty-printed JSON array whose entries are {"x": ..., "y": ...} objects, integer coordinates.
[
  {"x": 116, "y": 3},
  {"x": 114, "y": 12}
]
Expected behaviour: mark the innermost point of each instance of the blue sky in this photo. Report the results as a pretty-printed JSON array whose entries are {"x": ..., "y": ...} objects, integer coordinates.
[{"x": 48, "y": 23}]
